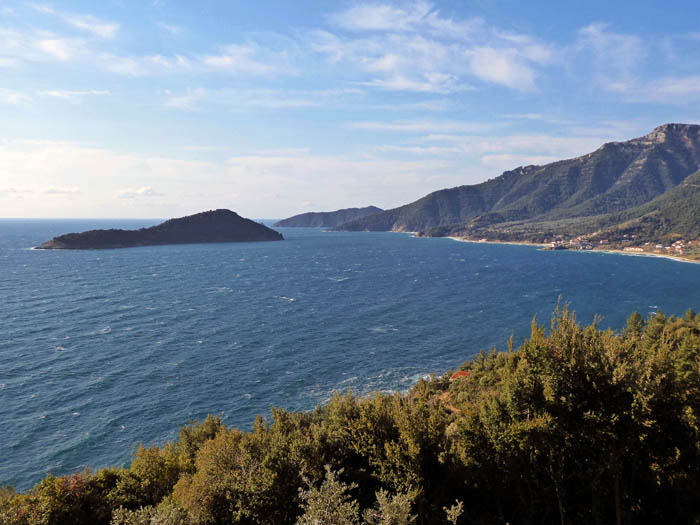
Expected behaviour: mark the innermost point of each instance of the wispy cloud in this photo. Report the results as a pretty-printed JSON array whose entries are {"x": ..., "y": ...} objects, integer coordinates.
[
  {"x": 12, "y": 98},
  {"x": 247, "y": 59},
  {"x": 87, "y": 23},
  {"x": 414, "y": 48},
  {"x": 502, "y": 66},
  {"x": 187, "y": 100},
  {"x": 612, "y": 57},
  {"x": 75, "y": 96},
  {"x": 424, "y": 126},
  {"x": 61, "y": 48},
  {"x": 678, "y": 87},
  {"x": 40, "y": 190},
  {"x": 143, "y": 65},
  {"x": 411, "y": 16},
  {"x": 137, "y": 193},
  {"x": 93, "y": 25},
  {"x": 171, "y": 29},
  {"x": 263, "y": 98}
]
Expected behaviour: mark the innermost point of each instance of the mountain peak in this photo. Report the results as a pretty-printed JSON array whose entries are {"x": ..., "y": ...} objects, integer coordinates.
[
  {"x": 616, "y": 177},
  {"x": 666, "y": 131}
]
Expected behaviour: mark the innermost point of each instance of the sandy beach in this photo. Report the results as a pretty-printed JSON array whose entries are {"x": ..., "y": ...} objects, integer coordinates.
[{"x": 670, "y": 257}]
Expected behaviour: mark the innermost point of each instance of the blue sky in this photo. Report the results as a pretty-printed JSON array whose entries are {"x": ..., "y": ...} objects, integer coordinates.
[{"x": 160, "y": 108}]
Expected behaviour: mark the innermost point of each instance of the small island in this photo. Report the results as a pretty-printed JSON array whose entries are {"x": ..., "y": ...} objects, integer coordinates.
[{"x": 206, "y": 227}]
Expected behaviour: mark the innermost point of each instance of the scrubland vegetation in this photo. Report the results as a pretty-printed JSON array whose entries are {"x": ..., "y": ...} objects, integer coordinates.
[{"x": 577, "y": 425}]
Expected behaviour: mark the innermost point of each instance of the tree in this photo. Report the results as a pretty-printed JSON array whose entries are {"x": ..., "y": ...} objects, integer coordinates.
[{"x": 330, "y": 503}]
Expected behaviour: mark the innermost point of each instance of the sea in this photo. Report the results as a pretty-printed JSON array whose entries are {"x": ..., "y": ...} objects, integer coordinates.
[{"x": 102, "y": 350}]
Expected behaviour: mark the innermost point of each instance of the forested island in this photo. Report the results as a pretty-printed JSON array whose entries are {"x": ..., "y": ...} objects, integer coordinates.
[
  {"x": 575, "y": 426},
  {"x": 206, "y": 227}
]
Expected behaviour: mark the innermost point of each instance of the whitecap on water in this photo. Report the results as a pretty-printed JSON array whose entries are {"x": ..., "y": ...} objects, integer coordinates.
[
  {"x": 338, "y": 279},
  {"x": 383, "y": 329},
  {"x": 60, "y": 348}
]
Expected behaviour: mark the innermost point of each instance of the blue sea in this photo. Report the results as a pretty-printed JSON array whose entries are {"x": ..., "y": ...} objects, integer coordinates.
[{"x": 101, "y": 350}]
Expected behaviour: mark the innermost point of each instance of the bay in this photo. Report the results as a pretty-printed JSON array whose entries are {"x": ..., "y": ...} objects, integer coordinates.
[{"x": 100, "y": 350}]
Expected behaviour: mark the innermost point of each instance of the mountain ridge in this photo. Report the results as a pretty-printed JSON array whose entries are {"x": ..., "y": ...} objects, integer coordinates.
[
  {"x": 327, "y": 219},
  {"x": 614, "y": 178}
]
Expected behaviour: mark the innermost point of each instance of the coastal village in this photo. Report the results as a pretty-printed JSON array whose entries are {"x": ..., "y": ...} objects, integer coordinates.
[{"x": 681, "y": 248}]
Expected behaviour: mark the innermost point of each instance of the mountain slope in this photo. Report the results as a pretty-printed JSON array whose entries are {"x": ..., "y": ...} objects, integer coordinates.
[
  {"x": 614, "y": 178},
  {"x": 676, "y": 213},
  {"x": 328, "y": 219}
]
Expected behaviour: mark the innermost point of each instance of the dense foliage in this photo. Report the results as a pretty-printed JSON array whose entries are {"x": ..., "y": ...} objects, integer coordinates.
[{"x": 578, "y": 425}]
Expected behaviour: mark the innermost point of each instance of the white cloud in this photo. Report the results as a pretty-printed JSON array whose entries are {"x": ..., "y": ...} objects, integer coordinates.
[
  {"x": 8, "y": 62},
  {"x": 414, "y": 48},
  {"x": 12, "y": 98},
  {"x": 91, "y": 24},
  {"x": 245, "y": 59},
  {"x": 185, "y": 101},
  {"x": 21, "y": 46},
  {"x": 672, "y": 90},
  {"x": 40, "y": 190},
  {"x": 263, "y": 184},
  {"x": 53, "y": 190},
  {"x": 415, "y": 16},
  {"x": 173, "y": 30},
  {"x": 679, "y": 88},
  {"x": 137, "y": 66},
  {"x": 374, "y": 17},
  {"x": 74, "y": 96},
  {"x": 262, "y": 98},
  {"x": 88, "y": 23},
  {"x": 502, "y": 66},
  {"x": 614, "y": 57},
  {"x": 61, "y": 48},
  {"x": 136, "y": 193},
  {"x": 424, "y": 126}
]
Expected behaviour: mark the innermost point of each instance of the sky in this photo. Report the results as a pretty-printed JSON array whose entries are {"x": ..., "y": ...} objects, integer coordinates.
[{"x": 162, "y": 108}]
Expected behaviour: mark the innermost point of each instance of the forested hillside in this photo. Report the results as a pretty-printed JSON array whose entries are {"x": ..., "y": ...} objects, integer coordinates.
[
  {"x": 577, "y": 425},
  {"x": 327, "y": 219},
  {"x": 616, "y": 177}
]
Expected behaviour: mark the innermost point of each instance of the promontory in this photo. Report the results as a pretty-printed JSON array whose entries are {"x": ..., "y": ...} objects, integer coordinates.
[
  {"x": 328, "y": 219},
  {"x": 206, "y": 227}
]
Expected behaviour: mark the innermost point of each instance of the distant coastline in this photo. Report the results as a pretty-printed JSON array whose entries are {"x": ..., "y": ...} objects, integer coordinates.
[{"x": 677, "y": 258}]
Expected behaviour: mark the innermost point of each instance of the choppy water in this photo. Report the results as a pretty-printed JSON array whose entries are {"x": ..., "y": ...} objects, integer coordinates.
[{"x": 102, "y": 349}]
